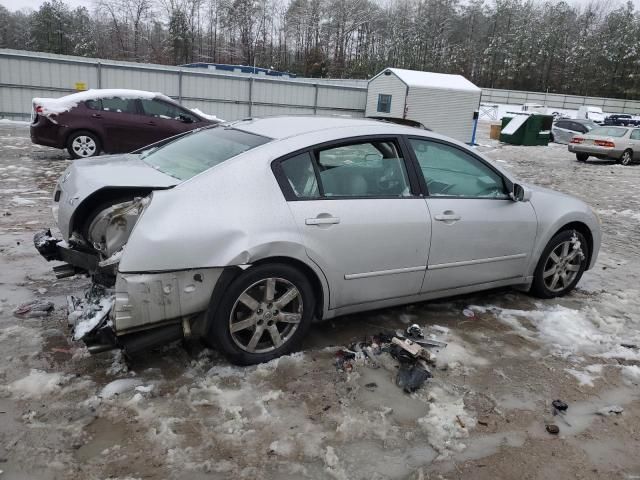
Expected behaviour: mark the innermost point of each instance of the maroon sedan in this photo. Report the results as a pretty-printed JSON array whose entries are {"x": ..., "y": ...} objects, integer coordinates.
[{"x": 110, "y": 121}]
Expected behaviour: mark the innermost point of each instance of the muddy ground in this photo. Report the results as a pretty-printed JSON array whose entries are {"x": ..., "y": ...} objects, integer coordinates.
[{"x": 184, "y": 412}]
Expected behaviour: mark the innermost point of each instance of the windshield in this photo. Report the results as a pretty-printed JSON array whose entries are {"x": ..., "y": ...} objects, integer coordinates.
[
  {"x": 192, "y": 154},
  {"x": 608, "y": 131}
]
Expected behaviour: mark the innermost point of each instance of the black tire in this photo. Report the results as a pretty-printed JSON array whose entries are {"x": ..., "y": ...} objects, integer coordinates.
[
  {"x": 228, "y": 343},
  {"x": 627, "y": 157},
  {"x": 92, "y": 145},
  {"x": 582, "y": 157},
  {"x": 539, "y": 287},
  {"x": 551, "y": 138}
]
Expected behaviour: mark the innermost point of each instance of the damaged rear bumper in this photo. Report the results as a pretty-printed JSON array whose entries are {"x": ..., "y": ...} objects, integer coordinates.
[{"x": 144, "y": 309}]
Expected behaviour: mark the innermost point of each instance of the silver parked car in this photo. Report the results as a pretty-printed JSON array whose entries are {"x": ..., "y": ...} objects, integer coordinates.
[
  {"x": 564, "y": 129},
  {"x": 621, "y": 144},
  {"x": 244, "y": 233}
]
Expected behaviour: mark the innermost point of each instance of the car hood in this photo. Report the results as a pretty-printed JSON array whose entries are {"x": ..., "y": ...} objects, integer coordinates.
[{"x": 85, "y": 177}]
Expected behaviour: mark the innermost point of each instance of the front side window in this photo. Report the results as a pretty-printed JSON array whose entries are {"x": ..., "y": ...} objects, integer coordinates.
[
  {"x": 155, "y": 108},
  {"x": 384, "y": 103},
  {"x": 93, "y": 104},
  {"x": 119, "y": 105},
  {"x": 563, "y": 124},
  {"x": 192, "y": 154},
  {"x": 451, "y": 172}
]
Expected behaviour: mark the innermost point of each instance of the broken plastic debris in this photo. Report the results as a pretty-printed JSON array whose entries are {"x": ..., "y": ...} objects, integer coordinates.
[
  {"x": 559, "y": 405},
  {"x": 553, "y": 429},
  {"x": 414, "y": 331},
  {"x": 610, "y": 410},
  {"x": 33, "y": 309},
  {"x": 468, "y": 313},
  {"x": 89, "y": 313},
  {"x": 411, "y": 377}
]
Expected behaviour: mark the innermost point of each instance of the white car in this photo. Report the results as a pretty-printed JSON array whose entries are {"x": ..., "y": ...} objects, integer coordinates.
[{"x": 244, "y": 233}]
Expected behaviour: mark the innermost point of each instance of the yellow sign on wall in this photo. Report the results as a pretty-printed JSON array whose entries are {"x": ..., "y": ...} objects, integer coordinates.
[{"x": 80, "y": 86}]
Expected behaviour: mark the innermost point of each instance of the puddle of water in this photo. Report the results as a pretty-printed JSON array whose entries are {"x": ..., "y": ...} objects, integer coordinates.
[{"x": 105, "y": 433}]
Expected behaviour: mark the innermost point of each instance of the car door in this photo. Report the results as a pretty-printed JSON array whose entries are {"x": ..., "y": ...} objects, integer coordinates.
[
  {"x": 360, "y": 218},
  {"x": 162, "y": 120},
  {"x": 634, "y": 143},
  {"x": 120, "y": 119},
  {"x": 478, "y": 233},
  {"x": 562, "y": 132}
]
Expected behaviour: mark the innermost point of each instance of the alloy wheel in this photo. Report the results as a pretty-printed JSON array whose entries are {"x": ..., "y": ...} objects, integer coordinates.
[
  {"x": 626, "y": 158},
  {"x": 84, "y": 146},
  {"x": 562, "y": 266},
  {"x": 266, "y": 315}
]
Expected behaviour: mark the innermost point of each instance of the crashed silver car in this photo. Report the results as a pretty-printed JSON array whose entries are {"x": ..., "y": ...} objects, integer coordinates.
[{"x": 243, "y": 234}]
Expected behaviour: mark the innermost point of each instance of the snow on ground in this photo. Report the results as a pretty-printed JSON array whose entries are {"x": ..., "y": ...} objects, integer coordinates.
[{"x": 184, "y": 412}]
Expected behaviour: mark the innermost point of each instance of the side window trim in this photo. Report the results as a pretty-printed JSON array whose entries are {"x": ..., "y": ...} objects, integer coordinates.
[
  {"x": 422, "y": 180},
  {"x": 290, "y": 196}
]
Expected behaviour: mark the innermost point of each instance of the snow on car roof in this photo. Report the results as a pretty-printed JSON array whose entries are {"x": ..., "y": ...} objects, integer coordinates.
[
  {"x": 288, "y": 126},
  {"x": 66, "y": 103},
  {"x": 415, "y": 78}
]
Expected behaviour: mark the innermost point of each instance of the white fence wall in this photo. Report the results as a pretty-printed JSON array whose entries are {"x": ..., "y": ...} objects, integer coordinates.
[
  {"x": 24, "y": 75},
  {"x": 553, "y": 100}
]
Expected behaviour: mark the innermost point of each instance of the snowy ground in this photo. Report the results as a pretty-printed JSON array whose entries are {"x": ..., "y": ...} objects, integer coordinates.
[{"x": 185, "y": 413}]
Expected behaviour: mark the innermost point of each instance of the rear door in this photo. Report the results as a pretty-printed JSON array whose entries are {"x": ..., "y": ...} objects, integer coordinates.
[
  {"x": 361, "y": 218},
  {"x": 478, "y": 233},
  {"x": 120, "y": 120}
]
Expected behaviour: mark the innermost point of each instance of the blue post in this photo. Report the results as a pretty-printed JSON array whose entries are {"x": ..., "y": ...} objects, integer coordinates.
[{"x": 475, "y": 127}]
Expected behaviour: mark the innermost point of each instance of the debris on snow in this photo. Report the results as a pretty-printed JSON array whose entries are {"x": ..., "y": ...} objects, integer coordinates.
[
  {"x": 87, "y": 314},
  {"x": 610, "y": 410},
  {"x": 34, "y": 309},
  {"x": 120, "y": 386},
  {"x": 37, "y": 384}
]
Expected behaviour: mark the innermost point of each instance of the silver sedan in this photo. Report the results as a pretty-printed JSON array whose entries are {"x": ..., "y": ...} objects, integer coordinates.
[
  {"x": 244, "y": 233},
  {"x": 621, "y": 144}
]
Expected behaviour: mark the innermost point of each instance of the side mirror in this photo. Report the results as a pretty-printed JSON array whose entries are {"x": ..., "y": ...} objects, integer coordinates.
[{"x": 520, "y": 193}]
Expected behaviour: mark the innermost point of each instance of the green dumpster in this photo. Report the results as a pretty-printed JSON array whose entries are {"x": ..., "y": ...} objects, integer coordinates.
[{"x": 528, "y": 129}]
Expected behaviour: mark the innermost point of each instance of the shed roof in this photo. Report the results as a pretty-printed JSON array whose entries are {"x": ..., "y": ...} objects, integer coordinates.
[{"x": 415, "y": 78}]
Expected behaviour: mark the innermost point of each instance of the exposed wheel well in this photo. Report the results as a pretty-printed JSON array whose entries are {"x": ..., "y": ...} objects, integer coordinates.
[
  {"x": 586, "y": 233},
  {"x": 103, "y": 197},
  {"x": 308, "y": 272}
]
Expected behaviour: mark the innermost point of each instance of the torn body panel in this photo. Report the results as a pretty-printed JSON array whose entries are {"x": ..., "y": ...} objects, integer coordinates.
[{"x": 146, "y": 299}]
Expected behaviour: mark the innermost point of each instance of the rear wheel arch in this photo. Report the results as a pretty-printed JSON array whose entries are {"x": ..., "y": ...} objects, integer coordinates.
[{"x": 90, "y": 130}]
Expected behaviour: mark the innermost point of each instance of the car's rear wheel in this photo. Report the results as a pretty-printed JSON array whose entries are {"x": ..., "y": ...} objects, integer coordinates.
[
  {"x": 582, "y": 157},
  {"x": 83, "y": 144},
  {"x": 264, "y": 314},
  {"x": 627, "y": 157},
  {"x": 561, "y": 265}
]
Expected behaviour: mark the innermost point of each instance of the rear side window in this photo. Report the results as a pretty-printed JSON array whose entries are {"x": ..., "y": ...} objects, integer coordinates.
[
  {"x": 451, "y": 172},
  {"x": 301, "y": 177},
  {"x": 119, "y": 105},
  {"x": 562, "y": 124},
  {"x": 93, "y": 104},
  {"x": 635, "y": 135},
  {"x": 373, "y": 169}
]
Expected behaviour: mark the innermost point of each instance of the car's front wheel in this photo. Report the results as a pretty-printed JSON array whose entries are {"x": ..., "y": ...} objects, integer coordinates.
[
  {"x": 83, "y": 144},
  {"x": 582, "y": 157},
  {"x": 561, "y": 265},
  {"x": 264, "y": 314}
]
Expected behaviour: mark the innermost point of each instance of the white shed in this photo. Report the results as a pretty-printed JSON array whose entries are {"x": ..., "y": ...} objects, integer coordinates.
[{"x": 442, "y": 102}]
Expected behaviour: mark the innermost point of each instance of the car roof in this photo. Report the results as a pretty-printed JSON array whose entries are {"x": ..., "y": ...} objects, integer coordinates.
[{"x": 288, "y": 126}]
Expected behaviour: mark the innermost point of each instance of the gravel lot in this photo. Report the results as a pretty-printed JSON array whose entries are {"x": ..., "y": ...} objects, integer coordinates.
[{"x": 183, "y": 412}]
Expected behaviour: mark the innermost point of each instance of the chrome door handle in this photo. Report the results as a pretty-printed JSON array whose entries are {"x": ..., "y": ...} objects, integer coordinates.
[
  {"x": 448, "y": 217},
  {"x": 322, "y": 221}
]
